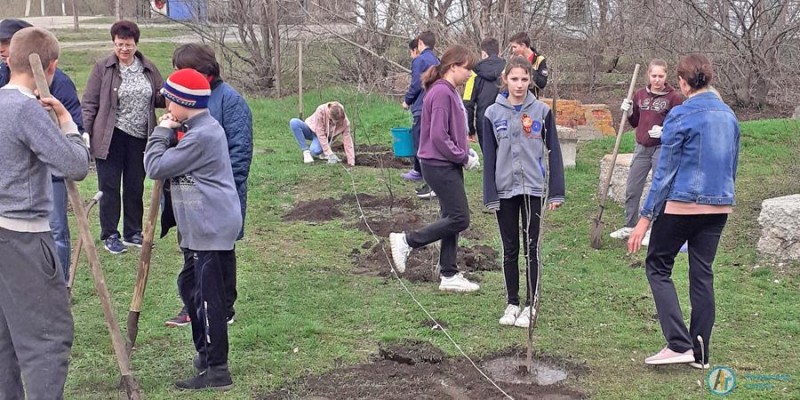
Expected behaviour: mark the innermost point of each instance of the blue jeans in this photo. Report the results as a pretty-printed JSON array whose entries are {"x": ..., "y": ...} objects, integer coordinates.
[
  {"x": 303, "y": 132},
  {"x": 59, "y": 225}
]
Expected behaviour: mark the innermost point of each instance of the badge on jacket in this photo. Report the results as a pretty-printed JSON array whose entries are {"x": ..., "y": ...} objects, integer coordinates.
[{"x": 527, "y": 123}]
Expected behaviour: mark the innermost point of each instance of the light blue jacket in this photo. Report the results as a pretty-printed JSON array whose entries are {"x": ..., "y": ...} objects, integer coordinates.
[
  {"x": 699, "y": 156},
  {"x": 230, "y": 109}
]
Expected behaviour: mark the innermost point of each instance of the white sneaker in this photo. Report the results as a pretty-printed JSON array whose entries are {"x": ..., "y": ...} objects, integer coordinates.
[
  {"x": 699, "y": 366},
  {"x": 457, "y": 283},
  {"x": 646, "y": 239},
  {"x": 307, "y": 158},
  {"x": 400, "y": 250},
  {"x": 622, "y": 233},
  {"x": 509, "y": 315},
  {"x": 523, "y": 321}
]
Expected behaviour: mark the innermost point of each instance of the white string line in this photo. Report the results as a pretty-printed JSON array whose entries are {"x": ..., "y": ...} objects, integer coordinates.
[{"x": 403, "y": 285}]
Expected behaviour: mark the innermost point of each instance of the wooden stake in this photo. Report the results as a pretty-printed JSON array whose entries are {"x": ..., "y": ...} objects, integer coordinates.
[
  {"x": 75, "y": 15},
  {"x": 300, "y": 79},
  {"x": 131, "y": 386}
]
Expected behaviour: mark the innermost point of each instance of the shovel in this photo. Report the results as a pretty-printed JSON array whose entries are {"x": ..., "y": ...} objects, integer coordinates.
[
  {"x": 76, "y": 253},
  {"x": 144, "y": 265},
  {"x": 597, "y": 228}
]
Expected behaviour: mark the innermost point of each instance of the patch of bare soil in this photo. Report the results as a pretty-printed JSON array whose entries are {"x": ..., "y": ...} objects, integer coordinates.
[
  {"x": 361, "y": 147},
  {"x": 421, "y": 264},
  {"x": 314, "y": 211},
  {"x": 374, "y": 156},
  {"x": 417, "y": 370},
  {"x": 374, "y": 207},
  {"x": 382, "y": 160},
  {"x": 379, "y": 203}
]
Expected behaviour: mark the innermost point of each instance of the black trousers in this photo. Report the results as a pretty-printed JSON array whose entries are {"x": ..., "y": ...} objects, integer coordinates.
[
  {"x": 415, "y": 127},
  {"x": 448, "y": 183},
  {"x": 201, "y": 287},
  {"x": 668, "y": 234},
  {"x": 125, "y": 163},
  {"x": 228, "y": 281},
  {"x": 508, "y": 220}
]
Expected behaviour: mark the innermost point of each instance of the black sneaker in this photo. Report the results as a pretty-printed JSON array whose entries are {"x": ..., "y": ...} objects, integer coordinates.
[
  {"x": 217, "y": 377},
  {"x": 425, "y": 192},
  {"x": 114, "y": 245},
  {"x": 135, "y": 240}
]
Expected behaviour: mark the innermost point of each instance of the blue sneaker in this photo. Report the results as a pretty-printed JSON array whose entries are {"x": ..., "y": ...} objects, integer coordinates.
[{"x": 114, "y": 245}]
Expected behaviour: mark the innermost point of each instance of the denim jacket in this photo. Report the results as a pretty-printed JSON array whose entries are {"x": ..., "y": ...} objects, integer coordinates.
[{"x": 699, "y": 156}]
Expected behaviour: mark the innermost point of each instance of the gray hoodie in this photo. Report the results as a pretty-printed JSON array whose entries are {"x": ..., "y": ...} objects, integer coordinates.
[
  {"x": 31, "y": 148},
  {"x": 514, "y": 158},
  {"x": 204, "y": 197}
]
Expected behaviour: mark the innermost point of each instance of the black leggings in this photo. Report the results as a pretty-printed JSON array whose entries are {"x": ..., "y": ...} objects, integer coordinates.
[
  {"x": 508, "y": 220},
  {"x": 448, "y": 183}
]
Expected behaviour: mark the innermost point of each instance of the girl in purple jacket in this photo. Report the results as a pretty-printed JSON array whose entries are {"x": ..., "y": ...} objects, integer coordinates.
[{"x": 443, "y": 153}]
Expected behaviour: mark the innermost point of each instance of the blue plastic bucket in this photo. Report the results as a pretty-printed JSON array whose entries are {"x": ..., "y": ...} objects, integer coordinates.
[{"x": 402, "y": 142}]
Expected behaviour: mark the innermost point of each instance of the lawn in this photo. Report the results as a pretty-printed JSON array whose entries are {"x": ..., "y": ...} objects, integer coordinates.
[{"x": 302, "y": 311}]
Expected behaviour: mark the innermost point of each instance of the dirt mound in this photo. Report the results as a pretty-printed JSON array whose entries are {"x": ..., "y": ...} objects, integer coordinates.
[
  {"x": 411, "y": 353},
  {"x": 382, "y": 160},
  {"x": 379, "y": 202},
  {"x": 399, "y": 221},
  {"x": 415, "y": 371},
  {"x": 421, "y": 264},
  {"x": 314, "y": 211},
  {"x": 375, "y": 208}
]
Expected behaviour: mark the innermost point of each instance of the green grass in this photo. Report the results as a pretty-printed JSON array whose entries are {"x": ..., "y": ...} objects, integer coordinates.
[{"x": 301, "y": 311}]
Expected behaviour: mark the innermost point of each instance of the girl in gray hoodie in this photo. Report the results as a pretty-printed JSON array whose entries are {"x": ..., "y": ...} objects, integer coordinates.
[{"x": 519, "y": 132}]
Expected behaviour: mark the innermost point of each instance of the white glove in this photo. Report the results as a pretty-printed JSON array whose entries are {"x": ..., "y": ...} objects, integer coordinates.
[
  {"x": 655, "y": 131},
  {"x": 626, "y": 106},
  {"x": 86, "y": 140},
  {"x": 473, "y": 161},
  {"x": 333, "y": 158}
]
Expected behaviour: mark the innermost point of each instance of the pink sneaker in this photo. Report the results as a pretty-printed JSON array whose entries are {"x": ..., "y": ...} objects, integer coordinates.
[{"x": 667, "y": 356}]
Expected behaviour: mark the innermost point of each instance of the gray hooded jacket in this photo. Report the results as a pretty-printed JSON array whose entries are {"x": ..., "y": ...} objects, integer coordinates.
[{"x": 514, "y": 155}]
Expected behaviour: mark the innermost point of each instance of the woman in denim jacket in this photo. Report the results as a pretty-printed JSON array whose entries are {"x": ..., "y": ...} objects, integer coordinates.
[{"x": 690, "y": 199}]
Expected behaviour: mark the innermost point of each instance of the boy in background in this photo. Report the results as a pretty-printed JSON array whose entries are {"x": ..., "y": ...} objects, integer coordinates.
[
  {"x": 36, "y": 327},
  {"x": 413, "y": 102},
  {"x": 207, "y": 213},
  {"x": 482, "y": 87},
  {"x": 521, "y": 46}
]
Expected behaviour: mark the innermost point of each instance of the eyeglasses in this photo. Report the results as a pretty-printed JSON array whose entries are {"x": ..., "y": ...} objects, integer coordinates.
[{"x": 124, "y": 46}]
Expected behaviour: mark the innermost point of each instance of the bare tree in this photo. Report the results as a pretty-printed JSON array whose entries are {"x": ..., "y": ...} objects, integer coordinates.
[{"x": 752, "y": 42}]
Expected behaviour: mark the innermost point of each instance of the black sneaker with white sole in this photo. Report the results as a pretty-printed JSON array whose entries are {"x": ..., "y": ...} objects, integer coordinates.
[
  {"x": 133, "y": 241},
  {"x": 425, "y": 192}
]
